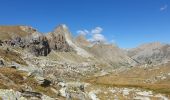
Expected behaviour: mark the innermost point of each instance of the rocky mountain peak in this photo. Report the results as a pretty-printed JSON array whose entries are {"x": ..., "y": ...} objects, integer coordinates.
[
  {"x": 58, "y": 38},
  {"x": 62, "y": 28}
]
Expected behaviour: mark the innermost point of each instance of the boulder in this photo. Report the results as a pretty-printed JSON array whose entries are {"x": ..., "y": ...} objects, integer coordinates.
[
  {"x": 82, "y": 88},
  {"x": 43, "y": 82},
  {"x": 1, "y": 62},
  {"x": 29, "y": 94}
]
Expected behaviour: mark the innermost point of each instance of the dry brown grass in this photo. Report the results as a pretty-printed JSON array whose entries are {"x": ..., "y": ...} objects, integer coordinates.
[
  {"x": 7, "y": 32},
  {"x": 12, "y": 79},
  {"x": 38, "y": 88},
  {"x": 13, "y": 74},
  {"x": 2, "y": 86},
  {"x": 18, "y": 78},
  {"x": 135, "y": 77},
  {"x": 12, "y": 56}
]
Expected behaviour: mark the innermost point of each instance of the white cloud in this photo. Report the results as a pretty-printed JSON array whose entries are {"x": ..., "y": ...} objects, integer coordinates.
[
  {"x": 99, "y": 38},
  {"x": 163, "y": 8},
  {"x": 95, "y": 35},
  {"x": 83, "y": 32},
  {"x": 96, "y": 30}
]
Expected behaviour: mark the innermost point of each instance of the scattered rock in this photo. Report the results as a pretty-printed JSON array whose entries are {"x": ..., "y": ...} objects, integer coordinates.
[
  {"x": 93, "y": 96},
  {"x": 13, "y": 66},
  {"x": 125, "y": 92},
  {"x": 141, "y": 98},
  {"x": 161, "y": 97},
  {"x": 113, "y": 91},
  {"x": 31, "y": 94},
  {"x": 169, "y": 74},
  {"x": 9, "y": 94},
  {"x": 82, "y": 88},
  {"x": 145, "y": 93}
]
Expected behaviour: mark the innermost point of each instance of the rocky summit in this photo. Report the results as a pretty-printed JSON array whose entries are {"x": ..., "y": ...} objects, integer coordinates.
[{"x": 57, "y": 66}]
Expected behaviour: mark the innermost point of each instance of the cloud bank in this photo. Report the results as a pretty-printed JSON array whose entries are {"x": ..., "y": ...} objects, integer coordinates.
[
  {"x": 95, "y": 35},
  {"x": 83, "y": 32}
]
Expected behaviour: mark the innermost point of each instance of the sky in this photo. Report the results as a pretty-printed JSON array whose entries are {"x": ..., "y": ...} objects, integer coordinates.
[{"x": 127, "y": 23}]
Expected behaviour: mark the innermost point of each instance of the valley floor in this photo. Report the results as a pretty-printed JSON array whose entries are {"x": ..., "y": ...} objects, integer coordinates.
[{"x": 139, "y": 83}]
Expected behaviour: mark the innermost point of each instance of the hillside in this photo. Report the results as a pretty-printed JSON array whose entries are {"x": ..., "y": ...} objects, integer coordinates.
[
  {"x": 154, "y": 53},
  {"x": 10, "y": 32},
  {"x": 57, "y": 66}
]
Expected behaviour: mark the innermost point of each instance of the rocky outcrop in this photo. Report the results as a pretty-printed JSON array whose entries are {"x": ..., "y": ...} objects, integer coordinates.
[
  {"x": 59, "y": 43},
  {"x": 62, "y": 39},
  {"x": 58, "y": 40},
  {"x": 40, "y": 47}
]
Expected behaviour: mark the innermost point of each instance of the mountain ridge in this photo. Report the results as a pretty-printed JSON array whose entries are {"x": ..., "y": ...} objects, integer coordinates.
[{"x": 54, "y": 65}]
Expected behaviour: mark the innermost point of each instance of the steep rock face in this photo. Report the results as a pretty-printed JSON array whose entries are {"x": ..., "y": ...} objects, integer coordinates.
[
  {"x": 61, "y": 40},
  {"x": 40, "y": 47},
  {"x": 57, "y": 39},
  {"x": 151, "y": 53}
]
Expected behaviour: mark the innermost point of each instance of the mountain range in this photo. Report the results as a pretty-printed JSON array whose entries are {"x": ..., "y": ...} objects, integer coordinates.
[{"x": 56, "y": 65}]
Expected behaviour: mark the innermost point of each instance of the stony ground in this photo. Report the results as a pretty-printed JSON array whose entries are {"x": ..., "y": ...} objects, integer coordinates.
[{"x": 61, "y": 76}]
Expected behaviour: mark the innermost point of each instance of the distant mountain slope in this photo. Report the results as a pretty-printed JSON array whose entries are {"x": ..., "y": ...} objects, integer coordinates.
[
  {"x": 82, "y": 41},
  {"x": 111, "y": 54},
  {"x": 152, "y": 52},
  {"x": 61, "y": 40}
]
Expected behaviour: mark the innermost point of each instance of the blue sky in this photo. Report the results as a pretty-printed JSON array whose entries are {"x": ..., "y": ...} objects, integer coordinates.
[{"x": 128, "y": 23}]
